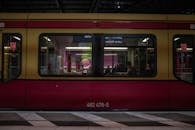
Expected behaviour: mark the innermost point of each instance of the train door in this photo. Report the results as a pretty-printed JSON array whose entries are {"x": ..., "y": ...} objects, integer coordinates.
[
  {"x": 184, "y": 56},
  {"x": 11, "y": 56}
]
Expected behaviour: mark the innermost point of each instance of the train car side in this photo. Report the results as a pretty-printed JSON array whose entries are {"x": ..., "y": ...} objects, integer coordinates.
[{"x": 66, "y": 86}]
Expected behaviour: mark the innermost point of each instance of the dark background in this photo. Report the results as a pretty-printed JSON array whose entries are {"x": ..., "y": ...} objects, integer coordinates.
[{"x": 100, "y": 6}]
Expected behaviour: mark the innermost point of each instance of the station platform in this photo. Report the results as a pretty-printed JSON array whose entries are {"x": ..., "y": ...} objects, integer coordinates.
[{"x": 101, "y": 120}]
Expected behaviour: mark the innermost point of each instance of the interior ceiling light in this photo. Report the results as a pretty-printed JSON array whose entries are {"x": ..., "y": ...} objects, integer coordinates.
[{"x": 78, "y": 48}]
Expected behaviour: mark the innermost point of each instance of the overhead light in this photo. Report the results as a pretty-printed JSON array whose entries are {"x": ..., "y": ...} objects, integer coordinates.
[
  {"x": 115, "y": 48},
  {"x": 87, "y": 36},
  {"x": 43, "y": 48},
  {"x": 145, "y": 39},
  {"x": 188, "y": 49},
  {"x": 114, "y": 37},
  {"x": 118, "y": 5},
  {"x": 46, "y": 38},
  {"x": 6, "y": 47},
  {"x": 17, "y": 38},
  {"x": 78, "y": 48},
  {"x": 177, "y": 38},
  {"x": 150, "y": 48}
]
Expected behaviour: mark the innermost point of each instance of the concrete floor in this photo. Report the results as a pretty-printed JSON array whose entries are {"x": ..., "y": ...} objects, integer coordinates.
[{"x": 104, "y": 120}]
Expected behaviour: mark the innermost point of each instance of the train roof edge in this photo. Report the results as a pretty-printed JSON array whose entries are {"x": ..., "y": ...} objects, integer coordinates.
[{"x": 96, "y": 16}]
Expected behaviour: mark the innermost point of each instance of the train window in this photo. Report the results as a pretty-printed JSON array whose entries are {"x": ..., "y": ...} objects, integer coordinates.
[
  {"x": 129, "y": 55},
  {"x": 11, "y": 58},
  {"x": 183, "y": 57},
  {"x": 65, "y": 54}
]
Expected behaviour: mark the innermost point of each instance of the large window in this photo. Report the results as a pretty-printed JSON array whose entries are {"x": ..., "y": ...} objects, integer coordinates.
[
  {"x": 65, "y": 54},
  {"x": 184, "y": 57},
  {"x": 11, "y": 58},
  {"x": 129, "y": 55},
  {"x": 97, "y": 55}
]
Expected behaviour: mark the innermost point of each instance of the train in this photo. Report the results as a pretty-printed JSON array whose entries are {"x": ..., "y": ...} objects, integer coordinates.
[{"x": 97, "y": 61}]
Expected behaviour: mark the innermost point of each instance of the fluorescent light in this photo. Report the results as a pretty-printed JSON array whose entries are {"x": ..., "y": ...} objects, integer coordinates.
[
  {"x": 44, "y": 48},
  {"x": 87, "y": 36},
  {"x": 188, "y": 49},
  {"x": 115, "y": 48},
  {"x": 17, "y": 38},
  {"x": 150, "y": 48},
  {"x": 78, "y": 48},
  {"x": 48, "y": 39},
  {"x": 177, "y": 38},
  {"x": 6, "y": 47},
  {"x": 145, "y": 39}
]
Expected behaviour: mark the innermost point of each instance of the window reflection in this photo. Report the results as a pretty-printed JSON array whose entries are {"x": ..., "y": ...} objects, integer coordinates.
[
  {"x": 113, "y": 55},
  {"x": 183, "y": 46},
  {"x": 12, "y": 44},
  {"x": 65, "y": 54},
  {"x": 129, "y": 55}
]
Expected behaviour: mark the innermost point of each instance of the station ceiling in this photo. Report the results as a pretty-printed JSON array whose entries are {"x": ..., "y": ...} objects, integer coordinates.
[{"x": 100, "y": 6}]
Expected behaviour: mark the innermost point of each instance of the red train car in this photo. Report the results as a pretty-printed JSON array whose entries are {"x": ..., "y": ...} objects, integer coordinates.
[{"x": 97, "y": 61}]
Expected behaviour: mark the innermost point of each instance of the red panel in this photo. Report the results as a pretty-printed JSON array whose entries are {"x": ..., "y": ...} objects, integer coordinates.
[
  {"x": 182, "y": 95},
  {"x": 58, "y": 95},
  {"x": 97, "y": 95},
  {"x": 61, "y": 24},
  {"x": 15, "y": 24},
  {"x": 133, "y": 95},
  {"x": 134, "y": 25},
  {"x": 95, "y": 24},
  {"x": 179, "y": 26},
  {"x": 12, "y": 94}
]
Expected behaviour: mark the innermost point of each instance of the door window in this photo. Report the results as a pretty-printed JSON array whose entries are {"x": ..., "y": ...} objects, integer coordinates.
[
  {"x": 184, "y": 57},
  {"x": 11, "y": 56}
]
